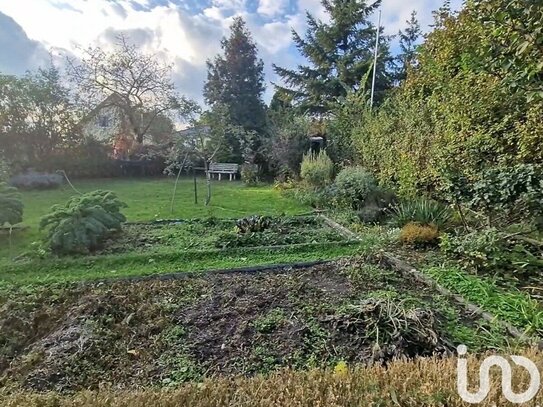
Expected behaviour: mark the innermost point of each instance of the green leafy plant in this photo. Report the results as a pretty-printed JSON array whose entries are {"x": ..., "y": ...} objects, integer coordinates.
[
  {"x": 317, "y": 169},
  {"x": 250, "y": 174},
  {"x": 490, "y": 250},
  {"x": 253, "y": 224},
  {"x": 509, "y": 194},
  {"x": 83, "y": 223},
  {"x": 11, "y": 206},
  {"x": 422, "y": 211}
]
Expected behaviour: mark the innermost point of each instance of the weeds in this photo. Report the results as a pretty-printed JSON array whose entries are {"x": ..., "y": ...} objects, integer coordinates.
[{"x": 511, "y": 306}]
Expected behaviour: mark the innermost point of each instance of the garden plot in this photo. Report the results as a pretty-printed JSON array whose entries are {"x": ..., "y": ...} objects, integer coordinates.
[
  {"x": 157, "y": 332},
  {"x": 212, "y": 233}
]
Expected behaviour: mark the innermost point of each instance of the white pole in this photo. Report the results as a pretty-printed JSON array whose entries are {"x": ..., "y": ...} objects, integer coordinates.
[{"x": 375, "y": 59}]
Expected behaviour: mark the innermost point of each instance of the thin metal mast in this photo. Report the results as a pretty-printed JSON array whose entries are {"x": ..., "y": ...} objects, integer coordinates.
[{"x": 375, "y": 59}]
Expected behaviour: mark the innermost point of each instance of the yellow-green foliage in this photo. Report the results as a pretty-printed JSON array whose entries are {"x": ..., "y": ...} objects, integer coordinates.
[
  {"x": 415, "y": 383},
  {"x": 417, "y": 234},
  {"x": 317, "y": 169},
  {"x": 455, "y": 112}
]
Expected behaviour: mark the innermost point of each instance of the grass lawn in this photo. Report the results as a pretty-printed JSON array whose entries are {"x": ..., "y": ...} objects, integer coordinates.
[{"x": 149, "y": 199}]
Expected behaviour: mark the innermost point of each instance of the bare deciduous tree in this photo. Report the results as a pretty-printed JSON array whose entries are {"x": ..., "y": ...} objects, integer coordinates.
[{"x": 141, "y": 83}]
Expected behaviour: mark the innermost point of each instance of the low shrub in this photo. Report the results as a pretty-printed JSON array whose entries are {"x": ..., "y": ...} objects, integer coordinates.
[
  {"x": 36, "y": 180},
  {"x": 285, "y": 185},
  {"x": 317, "y": 169},
  {"x": 310, "y": 196},
  {"x": 83, "y": 223},
  {"x": 419, "y": 235},
  {"x": 11, "y": 206},
  {"x": 250, "y": 174},
  {"x": 422, "y": 211},
  {"x": 354, "y": 186},
  {"x": 490, "y": 250}
]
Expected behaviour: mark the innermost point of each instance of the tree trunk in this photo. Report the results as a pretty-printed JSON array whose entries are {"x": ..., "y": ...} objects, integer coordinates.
[{"x": 208, "y": 182}]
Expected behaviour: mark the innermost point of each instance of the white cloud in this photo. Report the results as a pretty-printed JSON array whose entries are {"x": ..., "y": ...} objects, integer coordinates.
[
  {"x": 18, "y": 53},
  {"x": 272, "y": 7},
  {"x": 173, "y": 32}
]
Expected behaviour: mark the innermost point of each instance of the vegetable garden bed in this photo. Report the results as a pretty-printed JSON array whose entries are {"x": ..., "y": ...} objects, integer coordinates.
[
  {"x": 143, "y": 249},
  {"x": 129, "y": 334},
  {"x": 212, "y": 233}
]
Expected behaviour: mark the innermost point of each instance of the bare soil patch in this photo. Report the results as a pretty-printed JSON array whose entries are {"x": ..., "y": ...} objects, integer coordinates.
[{"x": 130, "y": 334}]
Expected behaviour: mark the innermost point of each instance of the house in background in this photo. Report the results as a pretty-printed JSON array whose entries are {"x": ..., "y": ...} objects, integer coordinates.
[{"x": 109, "y": 124}]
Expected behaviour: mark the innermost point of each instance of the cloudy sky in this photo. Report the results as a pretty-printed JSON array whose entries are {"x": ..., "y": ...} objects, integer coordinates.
[{"x": 183, "y": 32}]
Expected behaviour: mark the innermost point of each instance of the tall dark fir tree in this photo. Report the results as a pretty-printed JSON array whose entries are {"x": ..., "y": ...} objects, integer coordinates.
[
  {"x": 340, "y": 55},
  {"x": 235, "y": 79}
]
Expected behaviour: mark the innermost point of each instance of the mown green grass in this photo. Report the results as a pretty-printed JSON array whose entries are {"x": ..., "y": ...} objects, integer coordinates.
[
  {"x": 149, "y": 199},
  {"x": 135, "y": 264}
]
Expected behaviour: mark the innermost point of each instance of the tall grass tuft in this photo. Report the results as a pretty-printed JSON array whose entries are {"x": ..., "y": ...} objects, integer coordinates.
[{"x": 317, "y": 169}]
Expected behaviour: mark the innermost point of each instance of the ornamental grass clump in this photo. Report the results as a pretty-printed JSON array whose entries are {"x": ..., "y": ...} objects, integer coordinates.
[
  {"x": 422, "y": 211},
  {"x": 317, "y": 169}
]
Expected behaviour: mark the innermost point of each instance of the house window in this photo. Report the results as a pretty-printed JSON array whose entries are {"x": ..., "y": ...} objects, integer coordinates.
[{"x": 103, "y": 121}]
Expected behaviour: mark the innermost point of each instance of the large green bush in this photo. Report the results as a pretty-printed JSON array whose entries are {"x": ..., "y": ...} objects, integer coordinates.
[
  {"x": 354, "y": 186},
  {"x": 11, "y": 206},
  {"x": 83, "y": 223},
  {"x": 317, "y": 169},
  {"x": 462, "y": 109},
  {"x": 504, "y": 194}
]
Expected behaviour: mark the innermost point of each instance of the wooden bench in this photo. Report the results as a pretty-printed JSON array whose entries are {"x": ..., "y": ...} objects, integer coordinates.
[{"x": 224, "y": 168}]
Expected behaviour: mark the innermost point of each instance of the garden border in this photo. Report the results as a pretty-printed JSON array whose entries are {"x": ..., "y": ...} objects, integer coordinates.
[
  {"x": 406, "y": 269},
  {"x": 185, "y": 220},
  {"x": 184, "y": 275}
]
